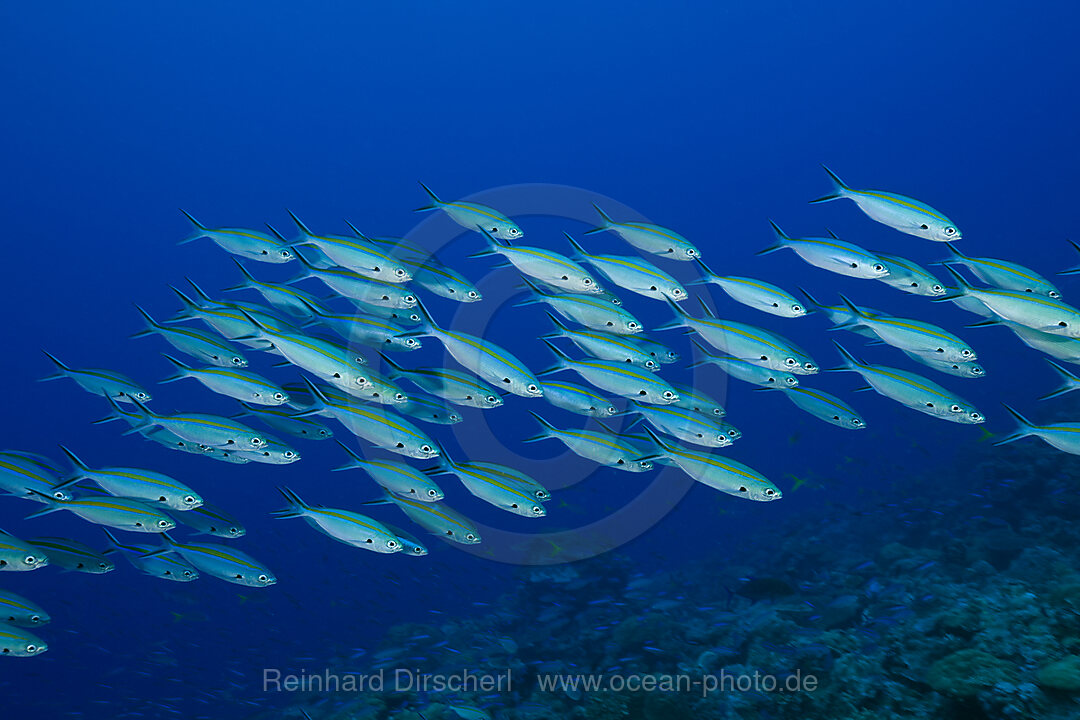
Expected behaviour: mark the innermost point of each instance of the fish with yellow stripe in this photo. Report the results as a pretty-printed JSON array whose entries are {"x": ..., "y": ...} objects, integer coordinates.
[
  {"x": 243, "y": 386},
  {"x": 913, "y": 391},
  {"x": 592, "y": 312},
  {"x": 220, "y": 561},
  {"x": 120, "y": 513},
  {"x": 250, "y": 244},
  {"x": 897, "y": 211},
  {"x": 1038, "y": 312},
  {"x": 831, "y": 253},
  {"x": 619, "y": 378},
  {"x": 73, "y": 555},
  {"x": 825, "y": 407},
  {"x": 1003, "y": 274},
  {"x": 147, "y": 485},
  {"x": 752, "y": 293},
  {"x": 1064, "y": 436},
  {"x": 489, "y": 361},
  {"x": 491, "y": 486},
  {"x": 100, "y": 382},
  {"x": 909, "y": 335},
  {"x": 197, "y": 343},
  {"x": 199, "y": 428},
  {"x": 395, "y": 477},
  {"x": 21, "y": 477},
  {"x": 632, "y": 273},
  {"x": 18, "y": 555},
  {"x": 17, "y": 642},
  {"x": 437, "y": 518},
  {"x": 356, "y": 253},
  {"x": 728, "y": 476},
  {"x": 545, "y": 265},
  {"x": 345, "y": 526},
  {"x": 17, "y": 610},
  {"x": 648, "y": 237},
  {"x": 604, "y": 448},
  {"x": 166, "y": 567},
  {"x": 474, "y": 215}
]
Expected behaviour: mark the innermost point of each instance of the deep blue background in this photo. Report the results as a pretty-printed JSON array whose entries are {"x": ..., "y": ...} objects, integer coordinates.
[{"x": 705, "y": 119}]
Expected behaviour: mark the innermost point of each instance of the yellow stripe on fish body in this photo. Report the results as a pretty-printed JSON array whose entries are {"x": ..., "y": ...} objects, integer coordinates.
[
  {"x": 221, "y": 555},
  {"x": 887, "y": 197}
]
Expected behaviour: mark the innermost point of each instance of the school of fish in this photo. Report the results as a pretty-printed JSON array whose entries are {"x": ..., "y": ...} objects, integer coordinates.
[{"x": 376, "y": 287}]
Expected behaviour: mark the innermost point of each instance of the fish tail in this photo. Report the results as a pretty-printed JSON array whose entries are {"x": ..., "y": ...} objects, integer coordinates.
[
  {"x": 396, "y": 371},
  {"x": 704, "y": 351},
  {"x": 356, "y": 462},
  {"x": 850, "y": 362},
  {"x": 579, "y": 252},
  {"x": 189, "y": 305},
  {"x": 184, "y": 370},
  {"x": 436, "y": 203},
  {"x": 962, "y": 284},
  {"x": 154, "y": 327},
  {"x": 1024, "y": 430},
  {"x": 113, "y": 542},
  {"x": 494, "y": 245},
  {"x": 296, "y": 506},
  {"x": 199, "y": 291},
  {"x": 1072, "y": 382},
  {"x": 840, "y": 190},
  {"x": 537, "y": 295},
  {"x": 62, "y": 369},
  {"x": 707, "y": 274},
  {"x": 561, "y": 363},
  {"x": 199, "y": 230},
  {"x": 606, "y": 221},
  {"x": 359, "y": 234},
  {"x": 299, "y": 224},
  {"x": 427, "y": 324},
  {"x": 548, "y": 428},
  {"x": 705, "y": 307},
  {"x": 781, "y": 241},
  {"x": 249, "y": 280},
  {"x": 660, "y": 442},
  {"x": 78, "y": 464},
  {"x": 1074, "y": 270}
]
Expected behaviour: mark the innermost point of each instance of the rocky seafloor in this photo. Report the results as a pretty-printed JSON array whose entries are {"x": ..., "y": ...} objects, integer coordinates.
[{"x": 957, "y": 597}]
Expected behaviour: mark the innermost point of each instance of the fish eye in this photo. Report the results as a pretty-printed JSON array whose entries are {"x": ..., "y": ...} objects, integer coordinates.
[
  {"x": 289, "y": 454},
  {"x": 35, "y": 618},
  {"x": 286, "y": 254},
  {"x": 432, "y": 493},
  {"x": 768, "y": 491},
  {"x": 956, "y": 408},
  {"x": 470, "y": 536},
  {"x": 537, "y": 510},
  {"x": 668, "y": 394},
  {"x": 425, "y": 448},
  {"x": 279, "y": 396},
  {"x": 691, "y": 252},
  {"x": 361, "y": 381},
  {"x": 399, "y": 397},
  {"x": 257, "y": 441},
  {"x": 790, "y": 362},
  {"x": 492, "y": 398},
  {"x": 937, "y": 289},
  {"x": 29, "y": 560},
  {"x": 587, "y": 281},
  {"x": 399, "y": 272},
  {"x": 532, "y": 388},
  {"x": 791, "y": 381},
  {"x": 514, "y": 231},
  {"x": 611, "y": 410},
  {"x": 141, "y": 396},
  {"x": 263, "y": 578},
  {"x": 31, "y": 648},
  {"x": 976, "y": 370},
  {"x": 965, "y": 353},
  {"x": 189, "y": 499},
  {"x": 733, "y": 433},
  {"x": 1054, "y": 294},
  {"x": 976, "y": 416},
  {"x": 473, "y": 294},
  {"x": 950, "y": 231},
  {"x": 234, "y": 531},
  {"x": 632, "y": 325},
  {"x": 238, "y": 361},
  {"x": 60, "y": 495},
  {"x": 879, "y": 268},
  {"x": 391, "y": 543},
  {"x": 163, "y": 523},
  {"x": 410, "y": 299},
  {"x": 796, "y": 308},
  {"x": 676, "y": 291}
]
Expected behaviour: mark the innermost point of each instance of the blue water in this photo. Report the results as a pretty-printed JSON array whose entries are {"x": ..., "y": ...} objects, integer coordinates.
[{"x": 700, "y": 117}]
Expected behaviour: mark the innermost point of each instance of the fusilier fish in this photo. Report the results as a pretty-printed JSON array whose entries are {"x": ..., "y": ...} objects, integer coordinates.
[
  {"x": 240, "y": 385},
  {"x": 746, "y": 371},
  {"x": 221, "y": 561},
  {"x": 209, "y": 519},
  {"x": 577, "y": 399},
  {"x": 650, "y": 238},
  {"x": 1003, "y": 274},
  {"x": 687, "y": 425},
  {"x": 18, "y": 555},
  {"x": 591, "y": 312},
  {"x": 604, "y": 346},
  {"x": 17, "y": 610},
  {"x": 910, "y": 335},
  {"x": 345, "y": 526},
  {"x": 100, "y": 382},
  {"x": 120, "y": 513},
  {"x": 246, "y": 243},
  {"x": 167, "y": 567},
  {"x": 1037, "y": 312},
  {"x": 451, "y": 385},
  {"x": 73, "y": 555},
  {"x": 356, "y": 253},
  {"x": 913, "y": 391},
  {"x": 474, "y": 215},
  {"x": 492, "y": 487},
  {"x": 604, "y": 448},
  {"x": 753, "y": 293},
  {"x": 17, "y": 642},
  {"x": 147, "y": 485},
  {"x": 911, "y": 278},
  {"x": 619, "y": 378},
  {"x": 632, "y": 273},
  {"x": 1065, "y": 436},
  {"x": 198, "y": 344},
  {"x": 729, "y": 476},
  {"x": 396, "y": 477},
  {"x": 897, "y": 211},
  {"x": 831, "y": 254},
  {"x": 437, "y": 518},
  {"x": 826, "y": 407},
  {"x": 545, "y": 265}
]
